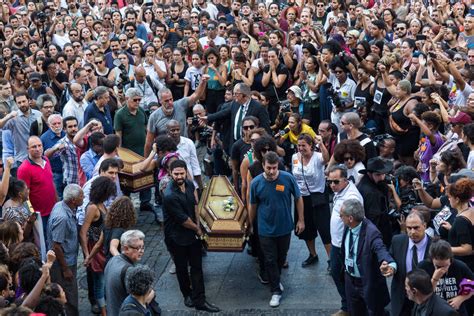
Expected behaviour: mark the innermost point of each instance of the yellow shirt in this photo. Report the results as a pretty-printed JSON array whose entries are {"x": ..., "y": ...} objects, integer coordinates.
[{"x": 305, "y": 129}]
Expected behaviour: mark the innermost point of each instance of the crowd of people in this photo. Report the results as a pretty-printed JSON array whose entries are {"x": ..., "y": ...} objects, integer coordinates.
[{"x": 357, "y": 116}]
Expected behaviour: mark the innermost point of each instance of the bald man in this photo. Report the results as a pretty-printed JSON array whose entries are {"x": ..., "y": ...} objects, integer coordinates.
[
  {"x": 148, "y": 86},
  {"x": 37, "y": 173},
  {"x": 76, "y": 104}
]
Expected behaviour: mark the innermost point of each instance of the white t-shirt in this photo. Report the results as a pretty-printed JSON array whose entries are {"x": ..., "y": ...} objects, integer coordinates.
[
  {"x": 193, "y": 75},
  {"x": 456, "y": 96},
  {"x": 470, "y": 160},
  {"x": 346, "y": 91},
  {"x": 218, "y": 41},
  {"x": 313, "y": 173},
  {"x": 354, "y": 172}
]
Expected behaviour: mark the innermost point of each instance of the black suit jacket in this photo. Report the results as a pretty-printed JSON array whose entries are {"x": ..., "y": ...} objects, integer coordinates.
[
  {"x": 254, "y": 109},
  {"x": 436, "y": 306},
  {"x": 398, "y": 250},
  {"x": 371, "y": 252}
]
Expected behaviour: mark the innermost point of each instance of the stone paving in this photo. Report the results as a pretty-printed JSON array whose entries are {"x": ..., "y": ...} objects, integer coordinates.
[{"x": 231, "y": 281}]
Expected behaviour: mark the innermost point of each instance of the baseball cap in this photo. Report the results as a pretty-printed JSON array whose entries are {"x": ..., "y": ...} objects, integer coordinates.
[
  {"x": 460, "y": 118},
  {"x": 34, "y": 76}
]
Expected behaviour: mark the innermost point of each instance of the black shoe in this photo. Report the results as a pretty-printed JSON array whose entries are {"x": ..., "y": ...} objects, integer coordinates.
[
  {"x": 311, "y": 260},
  {"x": 329, "y": 266},
  {"x": 208, "y": 307},
  {"x": 146, "y": 207},
  {"x": 188, "y": 301},
  {"x": 262, "y": 276}
]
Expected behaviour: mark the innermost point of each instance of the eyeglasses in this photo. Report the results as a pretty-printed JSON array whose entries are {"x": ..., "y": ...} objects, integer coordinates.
[
  {"x": 248, "y": 127},
  {"x": 137, "y": 100},
  {"x": 265, "y": 150},
  {"x": 348, "y": 158},
  {"x": 457, "y": 59},
  {"x": 336, "y": 182},
  {"x": 139, "y": 248}
]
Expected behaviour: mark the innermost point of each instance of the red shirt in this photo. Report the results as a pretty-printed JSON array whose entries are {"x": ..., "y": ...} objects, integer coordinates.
[{"x": 40, "y": 182}]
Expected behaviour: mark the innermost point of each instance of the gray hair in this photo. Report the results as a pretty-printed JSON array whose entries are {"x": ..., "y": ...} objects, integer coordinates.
[
  {"x": 131, "y": 235},
  {"x": 341, "y": 167},
  {"x": 54, "y": 116},
  {"x": 353, "y": 118},
  {"x": 244, "y": 89},
  {"x": 139, "y": 280},
  {"x": 163, "y": 91},
  {"x": 44, "y": 98},
  {"x": 100, "y": 91},
  {"x": 354, "y": 208},
  {"x": 71, "y": 191},
  {"x": 198, "y": 106},
  {"x": 133, "y": 92}
]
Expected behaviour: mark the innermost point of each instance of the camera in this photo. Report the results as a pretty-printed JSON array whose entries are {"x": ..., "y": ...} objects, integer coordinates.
[
  {"x": 124, "y": 79},
  {"x": 41, "y": 16},
  {"x": 333, "y": 95},
  {"x": 205, "y": 133},
  {"x": 389, "y": 179},
  {"x": 195, "y": 121},
  {"x": 16, "y": 61}
]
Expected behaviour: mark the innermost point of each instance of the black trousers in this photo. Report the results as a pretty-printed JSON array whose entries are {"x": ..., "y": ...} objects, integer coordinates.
[
  {"x": 190, "y": 284},
  {"x": 275, "y": 250},
  {"x": 355, "y": 298}
]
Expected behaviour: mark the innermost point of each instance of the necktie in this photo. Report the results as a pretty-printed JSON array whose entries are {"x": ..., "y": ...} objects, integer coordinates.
[
  {"x": 350, "y": 268},
  {"x": 414, "y": 258},
  {"x": 239, "y": 123}
]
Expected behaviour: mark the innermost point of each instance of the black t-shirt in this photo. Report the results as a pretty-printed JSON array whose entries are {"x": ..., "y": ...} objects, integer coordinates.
[
  {"x": 239, "y": 149},
  {"x": 34, "y": 128},
  {"x": 448, "y": 284},
  {"x": 109, "y": 235},
  {"x": 61, "y": 77},
  {"x": 281, "y": 70},
  {"x": 462, "y": 232}
]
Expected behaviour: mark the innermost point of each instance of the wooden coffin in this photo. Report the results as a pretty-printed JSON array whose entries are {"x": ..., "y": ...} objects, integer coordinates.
[
  {"x": 224, "y": 226},
  {"x": 131, "y": 178}
]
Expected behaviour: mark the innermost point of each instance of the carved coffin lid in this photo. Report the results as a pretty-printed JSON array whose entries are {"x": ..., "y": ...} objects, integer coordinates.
[
  {"x": 214, "y": 217},
  {"x": 130, "y": 160}
]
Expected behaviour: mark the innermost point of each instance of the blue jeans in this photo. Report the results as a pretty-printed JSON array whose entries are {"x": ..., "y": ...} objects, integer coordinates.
[
  {"x": 58, "y": 183},
  {"x": 337, "y": 273},
  {"x": 99, "y": 288}
]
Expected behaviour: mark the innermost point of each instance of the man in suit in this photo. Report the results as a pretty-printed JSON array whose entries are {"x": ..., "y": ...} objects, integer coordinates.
[
  {"x": 407, "y": 250},
  {"x": 420, "y": 290},
  {"x": 242, "y": 106},
  {"x": 365, "y": 260}
]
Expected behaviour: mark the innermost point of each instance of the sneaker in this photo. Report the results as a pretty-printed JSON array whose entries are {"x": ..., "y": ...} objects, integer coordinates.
[
  {"x": 275, "y": 301},
  {"x": 262, "y": 276},
  {"x": 172, "y": 269}
]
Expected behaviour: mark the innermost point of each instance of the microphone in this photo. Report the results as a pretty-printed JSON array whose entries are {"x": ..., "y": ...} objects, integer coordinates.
[{"x": 282, "y": 132}]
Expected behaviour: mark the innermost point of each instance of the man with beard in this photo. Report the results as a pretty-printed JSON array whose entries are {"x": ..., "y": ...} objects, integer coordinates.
[
  {"x": 170, "y": 110},
  {"x": 375, "y": 193},
  {"x": 181, "y": 229},
  {"x": 131, "y": 17},
  {"x": 401, "y": 30},
  {"x": 19, "y": 123},
  {"x": 69, "y": 153},
  {"x": 76, "y": 104},
  {"x": 53, "y": 77},
  {"x": 45, "y": 104},
  {"x": 7, "y": 110}
]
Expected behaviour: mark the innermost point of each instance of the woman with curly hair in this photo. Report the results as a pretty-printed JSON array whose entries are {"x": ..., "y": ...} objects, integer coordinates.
[
  {"x": 461, "y": 232},
  {"x": 102, "y": 189},
  {"x": 451, "y": 161},
  {"x": 352, "y": 154},
  {"x": 120, "y": 217},
  {"x": 11, "y": 233}
]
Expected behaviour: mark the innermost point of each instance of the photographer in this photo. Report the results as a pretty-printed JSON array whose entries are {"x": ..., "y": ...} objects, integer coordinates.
[
  {"x": 123, "y": 71},
  {"x": 375, "y": 191},
  {"x": 200, "y": 133},
  {"x": 403, "y": 192}
]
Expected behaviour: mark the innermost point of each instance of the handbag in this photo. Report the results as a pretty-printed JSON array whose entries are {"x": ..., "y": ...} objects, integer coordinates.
[{"x": 98, "y": 261}]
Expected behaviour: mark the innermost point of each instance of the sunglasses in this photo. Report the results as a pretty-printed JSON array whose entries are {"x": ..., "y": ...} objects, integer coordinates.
[
  {"x": 245, "y": 42},
  {"x": 130, "y": 30},
  {"x": 248, "y": 127},
  {"x": 61, "y": 61},
  {"x": 348, "y": 158},
  {"x": 137, "y": 100},
  {"x": 336, "y": 182},
  {"x": 98, "y": 62},
  {"x": 400, "y": 29},
  {"x": 457, "y": 59}
]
